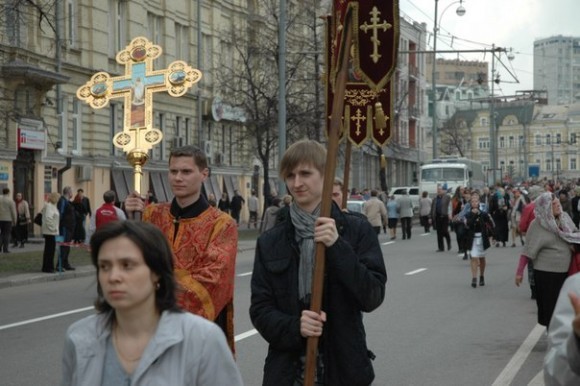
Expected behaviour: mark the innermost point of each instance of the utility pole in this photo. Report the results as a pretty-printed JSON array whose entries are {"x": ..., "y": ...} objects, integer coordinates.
[{"x": 492, "y": 138}]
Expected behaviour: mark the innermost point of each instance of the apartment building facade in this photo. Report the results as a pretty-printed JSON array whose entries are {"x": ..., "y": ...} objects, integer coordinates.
[
  {"x": 51, "y": 139},
  {"x": 557, "y": 68}
]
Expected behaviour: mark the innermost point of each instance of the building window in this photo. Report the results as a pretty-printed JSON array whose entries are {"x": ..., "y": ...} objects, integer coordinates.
[
  {"x": 77, "y": 145},
  {"x": 483, "y": 122},
  {"x": 155, "y": 32},
  {"x": 16, "y": 22},
  {"x": 502, "y": 142},
  {"x": 511, "y": 141},
  {"x": 572, "y": 163},
  {"x": 483, "y": 143},
  {"x": 117, "y": 24},
  {"x": 572, "y": 138},
  {"x": 558, "y": 138},
  {"x": 182, "y": 42},
  {"x": 188, "y": 131},
  {"x": 548, "y": 164},
  {"x": 538, "y": 140},
  {"x": 558, "y": 164},
  {"x": 178, "y": 127},
  {"x": 548, "y": 139},
  {"x": 71, "y": 23},
  {"x": 207, "y": 48}
]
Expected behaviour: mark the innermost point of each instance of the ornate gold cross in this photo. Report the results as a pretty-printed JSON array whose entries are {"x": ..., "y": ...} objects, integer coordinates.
[
  {"x": 358, "y": 117},
  {"x": 375, "y": 56},
  {"x": 137, "y": 87}
]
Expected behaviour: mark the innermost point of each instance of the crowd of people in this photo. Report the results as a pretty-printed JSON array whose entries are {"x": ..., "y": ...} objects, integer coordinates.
[{"x": 184, "y": 263}]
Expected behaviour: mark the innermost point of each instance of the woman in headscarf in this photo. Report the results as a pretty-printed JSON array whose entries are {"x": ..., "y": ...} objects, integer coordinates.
[{"x": 549, "y": 245}]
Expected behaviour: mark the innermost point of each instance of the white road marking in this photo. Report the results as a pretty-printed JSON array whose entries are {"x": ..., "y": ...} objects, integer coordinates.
[
  {"x": 29, "y": 321},
  {"x": 538, "y": 380},
  {"x": 388, "y": 242},
  {"x": 515, "y": 364},
  {"x": 237, "y": 338},
  {"x": 425, "y": 234},
  {"x": 244, "y": 274},
  {"x": 416, "y": 271},
  {"x": 245, "y": 335}
]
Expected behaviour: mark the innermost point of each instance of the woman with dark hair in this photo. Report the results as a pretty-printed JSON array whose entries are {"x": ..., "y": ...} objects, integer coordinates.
[{"x": 139, "y": 335}]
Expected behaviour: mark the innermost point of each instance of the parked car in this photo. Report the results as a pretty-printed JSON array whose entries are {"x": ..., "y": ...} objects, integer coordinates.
[{"x": 413, "y": 194}]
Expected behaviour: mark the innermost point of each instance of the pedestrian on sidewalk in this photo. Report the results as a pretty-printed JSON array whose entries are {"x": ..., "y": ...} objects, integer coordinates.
[
  {"x": 406, "y": 213},
  {"x": 392, "y": 216},
  {"x": 375, "y": 211},
  {"x": 425, "y": 211},
  {"x": 66, "y": 227},
  {"x": 7, "y": 219},
  {"x": 23, "y": 220},
  {"x": 49, "y": 229},
  {"x": 139, "y": 335},
  {"x": 253, "y": 209},
  {"x": 440, "y": 215},
  {"x": 106, "y": 213},
  {"x": 236, "y": 205}
]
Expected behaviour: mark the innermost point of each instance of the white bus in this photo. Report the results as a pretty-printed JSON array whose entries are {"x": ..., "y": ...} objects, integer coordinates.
[{"x": 451, "y": 171}]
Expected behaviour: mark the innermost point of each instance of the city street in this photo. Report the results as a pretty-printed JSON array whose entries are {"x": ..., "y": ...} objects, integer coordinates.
[{"x": 432, "y": 329}]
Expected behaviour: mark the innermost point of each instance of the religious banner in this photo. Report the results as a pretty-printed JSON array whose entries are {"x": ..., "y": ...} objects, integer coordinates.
[
  {"x": 375, "y": 29},
  {"x": 368, "y": 93}
]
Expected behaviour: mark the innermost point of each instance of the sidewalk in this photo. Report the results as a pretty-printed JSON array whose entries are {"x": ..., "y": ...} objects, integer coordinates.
[{"x": 37, "y": 244}]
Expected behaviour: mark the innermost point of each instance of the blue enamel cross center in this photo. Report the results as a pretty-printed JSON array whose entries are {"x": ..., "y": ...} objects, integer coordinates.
[{"x": 137, "y": 87}]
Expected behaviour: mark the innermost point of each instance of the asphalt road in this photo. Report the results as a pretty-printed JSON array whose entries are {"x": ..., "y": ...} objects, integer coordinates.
[{"x": 432, "y": 329}]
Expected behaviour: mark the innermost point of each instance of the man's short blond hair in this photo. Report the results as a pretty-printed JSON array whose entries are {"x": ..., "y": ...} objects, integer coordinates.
[{"x": 307, "y": 152}]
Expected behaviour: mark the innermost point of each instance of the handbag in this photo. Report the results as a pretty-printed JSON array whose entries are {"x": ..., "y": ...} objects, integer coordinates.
[
  {"x": 38, "y": 219},
  {"x": 574, "y": 264},
  {"x": 22, "y": 219}
]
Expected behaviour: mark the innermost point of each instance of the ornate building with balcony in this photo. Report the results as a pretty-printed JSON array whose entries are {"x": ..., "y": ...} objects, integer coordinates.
[{"x": 51, "y": 139}]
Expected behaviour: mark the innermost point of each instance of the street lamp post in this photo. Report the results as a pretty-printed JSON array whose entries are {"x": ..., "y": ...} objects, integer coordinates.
[{"x": 460, "y": 11}]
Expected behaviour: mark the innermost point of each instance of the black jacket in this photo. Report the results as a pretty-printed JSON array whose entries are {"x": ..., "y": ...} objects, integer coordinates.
[
  {"x": 480, "y": 222},
  {"x": 354, "y": 283}
]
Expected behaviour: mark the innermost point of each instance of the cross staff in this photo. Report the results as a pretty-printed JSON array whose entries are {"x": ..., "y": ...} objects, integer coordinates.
[
  {"x": 137, "y": 87},
  {"x": 326, "y": 204}
]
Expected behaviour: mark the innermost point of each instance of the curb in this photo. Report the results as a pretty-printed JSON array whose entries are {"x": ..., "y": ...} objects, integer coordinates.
[
  {"x": 81, "y": 271},
  {"x": 40, "y": 277}
]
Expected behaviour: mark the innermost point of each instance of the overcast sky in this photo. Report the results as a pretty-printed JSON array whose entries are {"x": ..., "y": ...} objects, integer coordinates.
[{"x": 505, "y": 23}]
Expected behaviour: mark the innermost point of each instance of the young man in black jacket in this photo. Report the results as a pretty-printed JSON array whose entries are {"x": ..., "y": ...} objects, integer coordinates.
[{"x": 282, "y": 278}]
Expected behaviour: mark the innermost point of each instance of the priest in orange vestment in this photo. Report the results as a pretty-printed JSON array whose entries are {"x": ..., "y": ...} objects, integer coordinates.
[{"x": 204, "y": 240}]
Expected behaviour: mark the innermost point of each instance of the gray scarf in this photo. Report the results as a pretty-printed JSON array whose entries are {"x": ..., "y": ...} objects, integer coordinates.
[{"x": 304, "y": 224}]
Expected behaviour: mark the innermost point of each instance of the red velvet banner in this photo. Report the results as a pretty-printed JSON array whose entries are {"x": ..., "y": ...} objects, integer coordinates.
[{"x": 375, "y": 27}]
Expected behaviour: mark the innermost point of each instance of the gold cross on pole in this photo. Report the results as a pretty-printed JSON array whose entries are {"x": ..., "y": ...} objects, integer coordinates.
[
  {"x": 375, "y": 56},
  {"x": 137, "y": 87}
]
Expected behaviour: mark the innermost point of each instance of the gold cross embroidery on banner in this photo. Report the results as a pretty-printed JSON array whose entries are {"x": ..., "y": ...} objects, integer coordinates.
[{"x": 375, "y": 27}]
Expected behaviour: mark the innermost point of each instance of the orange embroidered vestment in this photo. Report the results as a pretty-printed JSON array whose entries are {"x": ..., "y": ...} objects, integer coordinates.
[{"x": 204, "y": 251}]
